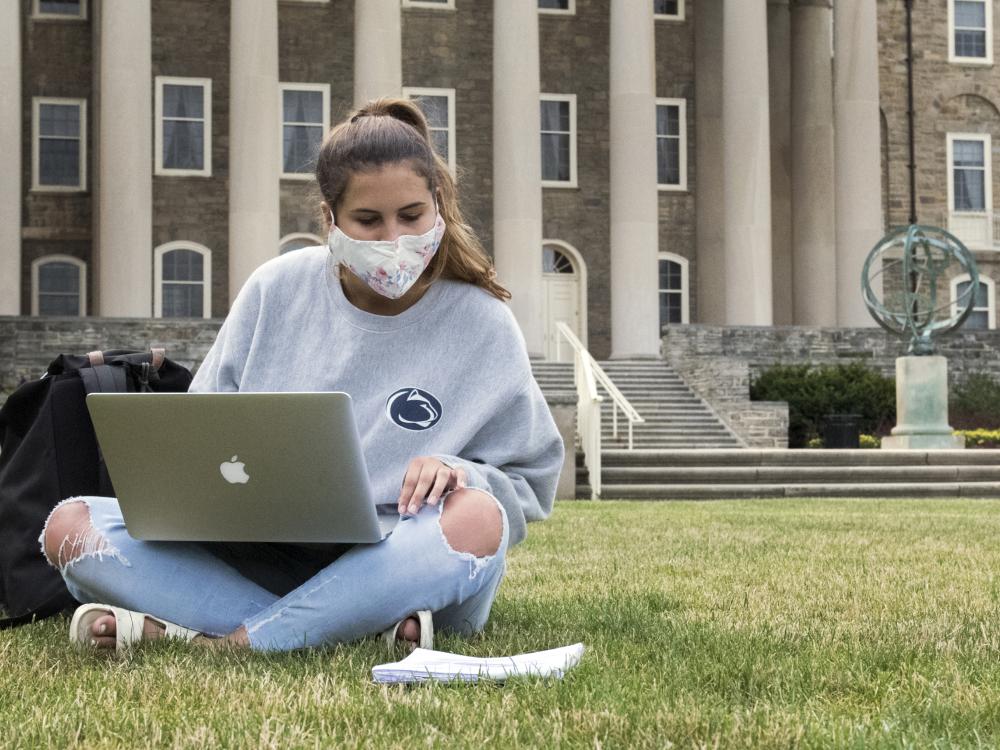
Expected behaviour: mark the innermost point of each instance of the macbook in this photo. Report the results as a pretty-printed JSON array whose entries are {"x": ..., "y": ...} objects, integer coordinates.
[{"x": 238, "y": 467}]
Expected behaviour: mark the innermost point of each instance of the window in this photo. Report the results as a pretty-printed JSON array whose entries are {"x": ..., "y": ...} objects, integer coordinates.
[
  {"x": 76, "y": 9},
  {"x": 970, "y": 31},
  {"x": 563, "y": 7},
  {"x": 59, "y": 144},
  {"x": 444, "y": 4},
  {"x": 438, "y": 106},
  {"x": 673, "y": 289},
  {"x": 969, "y": 169},
  {"x": 58, "y": 286},
  {"x": 983, "y": 315},
  {"x": 183, "y": 287},
  {"x": 671, "y": 144},
  {"x": 558, "y": 140},
  {"x": 672, "y": 10},
  {"x": 298, "y": 241},
  {"x": 183, "y": 126},
  {"x": 305, "y": 119}
]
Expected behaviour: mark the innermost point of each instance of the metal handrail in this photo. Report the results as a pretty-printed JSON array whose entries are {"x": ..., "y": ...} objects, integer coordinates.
[{"x": 587, "y": 373}]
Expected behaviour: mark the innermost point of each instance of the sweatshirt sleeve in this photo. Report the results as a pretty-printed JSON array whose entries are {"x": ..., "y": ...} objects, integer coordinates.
[
  {"x": 516, "y": 457},
  {"x": 223, "y": 366}
]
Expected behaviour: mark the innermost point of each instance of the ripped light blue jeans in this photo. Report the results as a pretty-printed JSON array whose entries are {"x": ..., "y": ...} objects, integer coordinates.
[{"x": 363, "y": 591}]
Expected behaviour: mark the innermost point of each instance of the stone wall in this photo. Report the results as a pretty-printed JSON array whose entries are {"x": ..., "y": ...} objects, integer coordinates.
[{"x": 720, "y": 362}]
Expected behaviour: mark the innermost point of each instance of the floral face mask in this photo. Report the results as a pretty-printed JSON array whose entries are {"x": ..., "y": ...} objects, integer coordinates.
[{"x": 389, "y": 268}]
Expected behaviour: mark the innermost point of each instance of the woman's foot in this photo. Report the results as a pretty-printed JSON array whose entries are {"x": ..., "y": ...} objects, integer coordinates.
[{"x": 103, "y": 632}]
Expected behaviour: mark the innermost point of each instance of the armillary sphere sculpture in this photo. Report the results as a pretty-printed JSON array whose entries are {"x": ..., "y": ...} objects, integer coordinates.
[
  {"x": 914, "y": 259},
  {"x": 911, "y": 264}
]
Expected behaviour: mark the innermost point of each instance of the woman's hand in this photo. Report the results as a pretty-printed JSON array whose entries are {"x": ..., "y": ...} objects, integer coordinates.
[{"x": 427, "y": 478}]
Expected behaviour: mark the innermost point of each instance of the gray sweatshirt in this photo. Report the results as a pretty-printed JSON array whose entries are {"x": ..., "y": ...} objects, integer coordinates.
[{"x": 448, "y": 377}]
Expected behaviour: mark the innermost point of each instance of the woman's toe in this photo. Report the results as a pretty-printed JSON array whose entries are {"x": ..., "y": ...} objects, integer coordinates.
[
  {"x": 409, "y": 630},
  {"x": 104, "y": 626}
]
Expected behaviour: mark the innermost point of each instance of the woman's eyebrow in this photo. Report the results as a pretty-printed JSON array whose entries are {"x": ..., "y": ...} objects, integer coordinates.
[{"x": 416, "y": 204}]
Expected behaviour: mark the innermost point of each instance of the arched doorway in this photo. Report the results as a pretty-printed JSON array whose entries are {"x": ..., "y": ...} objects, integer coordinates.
[{"x": 564, "y": 281}]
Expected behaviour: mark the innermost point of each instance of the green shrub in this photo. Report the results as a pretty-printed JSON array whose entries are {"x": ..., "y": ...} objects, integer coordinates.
[
  {"x": 980, "y": 438},
  {"x": 974, "y": 403},
  {"x": 813, "y": 393}
]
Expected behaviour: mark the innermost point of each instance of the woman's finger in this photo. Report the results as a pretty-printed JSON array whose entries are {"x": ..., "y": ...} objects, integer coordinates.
[
  {"x": 428, "y": 473},
  {"x": 444, "y": 478},
  {"x": 410, "y": 480}
]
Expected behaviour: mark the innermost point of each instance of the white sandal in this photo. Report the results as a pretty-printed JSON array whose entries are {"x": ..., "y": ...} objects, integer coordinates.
[
  {"x": 426, "y": 631},
  {"x": 128, "y": 626}
]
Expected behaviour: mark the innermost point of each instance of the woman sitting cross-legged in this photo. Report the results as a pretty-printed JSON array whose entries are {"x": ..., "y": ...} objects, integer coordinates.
[{"x": 403, "y": 297}]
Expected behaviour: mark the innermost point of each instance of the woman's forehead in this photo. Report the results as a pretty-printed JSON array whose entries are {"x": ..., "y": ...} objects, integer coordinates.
[{"x": 388, "y": 183}]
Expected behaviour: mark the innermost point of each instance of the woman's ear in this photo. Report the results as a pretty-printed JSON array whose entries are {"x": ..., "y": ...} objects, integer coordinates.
[{"x": 327, "y": 215}]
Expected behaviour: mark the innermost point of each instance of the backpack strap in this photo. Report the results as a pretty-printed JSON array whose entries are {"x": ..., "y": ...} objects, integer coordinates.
[{"x": 104, "y": 379}]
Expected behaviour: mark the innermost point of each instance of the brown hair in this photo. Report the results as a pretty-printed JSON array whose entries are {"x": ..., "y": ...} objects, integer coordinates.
[{"x": 389, "y": 131}]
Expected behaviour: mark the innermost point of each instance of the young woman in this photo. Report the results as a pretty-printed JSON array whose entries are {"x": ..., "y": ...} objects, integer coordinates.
[{"x": 402, "y": 311}]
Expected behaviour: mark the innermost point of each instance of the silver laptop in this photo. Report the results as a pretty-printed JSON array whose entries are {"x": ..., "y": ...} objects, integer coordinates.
[{"x": 238, "y": 467}]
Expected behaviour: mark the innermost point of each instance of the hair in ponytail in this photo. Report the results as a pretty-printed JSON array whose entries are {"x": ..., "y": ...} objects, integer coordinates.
[{"x": 389, "y": 131}]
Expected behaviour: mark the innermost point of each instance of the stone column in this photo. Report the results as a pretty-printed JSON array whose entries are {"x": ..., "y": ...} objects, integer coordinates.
[
  {"x": 857, "y": 128},
  {"x": 779, "y": 34},
  {"x": 814, "y": 265},
  {"x": 124, "y": 257},
  {"x": 378, "y": 50},
  {"x": 710, "y": 219},
  {"x": 10, "y": 146},
  {"x": 517, "y": 164},
  {"x": 746, "y": 138},
  {"x": 635, "y": 325},
  {"x": 254, "y": 138}
]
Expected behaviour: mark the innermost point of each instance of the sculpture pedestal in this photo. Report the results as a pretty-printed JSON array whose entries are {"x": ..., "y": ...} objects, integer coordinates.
[{"x": 922, "y": 406}]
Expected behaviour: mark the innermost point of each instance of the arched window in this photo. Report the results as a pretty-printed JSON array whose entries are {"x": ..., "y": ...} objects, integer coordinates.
[
  {"x": 673, "y": 289},
  {"x": 58, "y": 286},
  {"x": 183, "y": 288},
  {"x": 983, "y": 313},
  {"x": 297, "y": 241},
  {"x": 555, "y": 260}
]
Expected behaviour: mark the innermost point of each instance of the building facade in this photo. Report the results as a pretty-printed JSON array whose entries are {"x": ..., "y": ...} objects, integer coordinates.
[{"x": 628, "y": 163}]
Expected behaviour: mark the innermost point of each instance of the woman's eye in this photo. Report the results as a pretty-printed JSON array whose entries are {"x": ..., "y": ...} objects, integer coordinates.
[
  {"x": 367, "y": 222},
  {"x": 410, "y": 218}
]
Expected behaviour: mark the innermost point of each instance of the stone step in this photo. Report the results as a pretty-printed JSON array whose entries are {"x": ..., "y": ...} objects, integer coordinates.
[
  {"x": 644, "y": 475},
  {"x": 792, "y": 457},
  {"x": 742, "y": 491}
]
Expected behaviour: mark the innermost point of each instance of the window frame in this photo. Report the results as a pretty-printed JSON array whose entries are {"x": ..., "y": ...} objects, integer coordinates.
[
  {"x": 38, "y": 14},
  {"x": 679, "y": 16},
  {"x": 569, "y": 10},
  {"x": 955, "y": 59},
  {"x": 986, "y": 140},
  {"x": 682, "y": 186},
  {"x": 991, "y": 298},
  {"x": 685, "y": 285},
  {"x": 206, "y": 281},
  {"x": 298, "y": 236},
  {"x": 571, "y": 98},
  {"x": 36, "y": 272},
  {"x": 323, "y": 88},
  {"x": 206, "y": 93},
  {"x": 36, "y": 185},
  {"x": 447, "y": 5},
  {"x": 415, "y": 92}
]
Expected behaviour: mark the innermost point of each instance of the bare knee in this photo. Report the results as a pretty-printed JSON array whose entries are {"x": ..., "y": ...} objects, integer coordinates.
[
  {"x": 471, "y": 522},
  {"x": 65, "y": 532}
]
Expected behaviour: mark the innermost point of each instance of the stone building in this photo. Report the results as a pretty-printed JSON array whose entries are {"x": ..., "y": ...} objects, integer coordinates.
[{"x": 628, "y": 163}]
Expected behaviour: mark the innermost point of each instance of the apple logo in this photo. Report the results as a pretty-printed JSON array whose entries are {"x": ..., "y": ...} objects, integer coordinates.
[{"x": 233, "y": 471}]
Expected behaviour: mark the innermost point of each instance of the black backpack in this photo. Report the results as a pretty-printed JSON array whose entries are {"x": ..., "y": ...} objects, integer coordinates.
[{"x": 48, "y": 452}]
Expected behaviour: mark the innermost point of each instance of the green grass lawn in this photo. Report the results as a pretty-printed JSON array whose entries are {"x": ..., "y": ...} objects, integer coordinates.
[{"x": 814, "y": 623}]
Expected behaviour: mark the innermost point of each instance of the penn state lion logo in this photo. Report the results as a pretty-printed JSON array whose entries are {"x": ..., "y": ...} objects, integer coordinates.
[{"x": 413, "y": 409}]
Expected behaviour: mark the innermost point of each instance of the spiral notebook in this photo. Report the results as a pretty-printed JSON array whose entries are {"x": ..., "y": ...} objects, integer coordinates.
[{"x": 423, "y": 665}]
